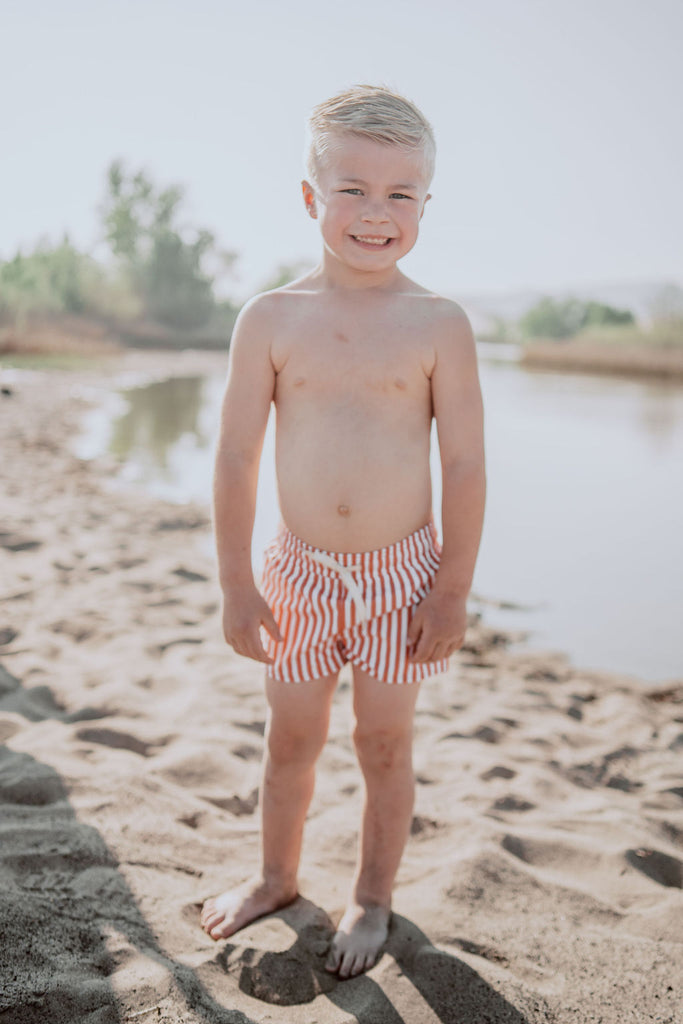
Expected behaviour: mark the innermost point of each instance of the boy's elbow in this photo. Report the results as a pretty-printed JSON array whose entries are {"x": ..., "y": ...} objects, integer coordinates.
[
  {"x": 229, "y": 456},
  {"x": 467, "y": 468},
  {"x": 234, "y": 467}
]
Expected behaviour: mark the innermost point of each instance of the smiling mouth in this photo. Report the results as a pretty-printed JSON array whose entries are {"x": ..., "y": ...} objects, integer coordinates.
[{"x": 374, "y": 240}]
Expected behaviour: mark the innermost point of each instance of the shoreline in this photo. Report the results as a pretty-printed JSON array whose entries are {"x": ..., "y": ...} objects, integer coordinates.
[
  {"x": 542, "y": 883},
  {"x": 635, "y": 361},
  {"x": 76, "y": 339}
]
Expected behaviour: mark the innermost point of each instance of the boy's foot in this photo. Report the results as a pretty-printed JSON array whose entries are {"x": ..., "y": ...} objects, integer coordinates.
[
  {"x": 360, "y": 936},
  {"x": 224, "y": 915}
]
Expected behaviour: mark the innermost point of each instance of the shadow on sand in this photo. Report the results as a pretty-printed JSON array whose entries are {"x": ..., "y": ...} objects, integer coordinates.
[
  {"x": 453, "y": 991},
  {"x": 63, "y": 895}
]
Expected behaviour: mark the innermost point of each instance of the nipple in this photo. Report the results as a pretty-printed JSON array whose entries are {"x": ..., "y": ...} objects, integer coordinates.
[{"x": 343, "y": 510}]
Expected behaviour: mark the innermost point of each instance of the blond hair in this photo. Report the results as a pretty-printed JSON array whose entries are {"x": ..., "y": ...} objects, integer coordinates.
[{"x": 374, "y": 112}]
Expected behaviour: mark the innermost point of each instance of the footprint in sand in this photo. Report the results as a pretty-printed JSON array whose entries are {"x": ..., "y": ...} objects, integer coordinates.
[
  {"x": 76, "y": 629},
  {"x": 485, "y": 733},
  {"x": 258, "y": 726},
  {"x": 162, "y": 648},
  {"x": 120, "y": 741},
  {"x": 422, "y": 826},
  {"x": 478, "y": 949},
  {"x": 499, "y": 771},
  {"x": 551, "y": 854},
  {"x": 191, "y": 820},
  {"x": 15, "y": 542},
  {"x": 512, "y": 803},
  {"x": 660, "y": 867},
  {"x": 235, "y": 804},
  {"x": 189, "y": 576},
  {"x": 247, "y": 752}
]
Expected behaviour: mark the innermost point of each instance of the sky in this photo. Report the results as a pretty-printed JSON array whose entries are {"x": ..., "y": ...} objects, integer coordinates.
[{"x": 558, "y": 126}]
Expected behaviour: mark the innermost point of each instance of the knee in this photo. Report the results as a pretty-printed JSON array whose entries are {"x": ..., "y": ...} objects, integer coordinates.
[
  {"x": 383, "y": 750},
  {"x": 288, "y": 744}
]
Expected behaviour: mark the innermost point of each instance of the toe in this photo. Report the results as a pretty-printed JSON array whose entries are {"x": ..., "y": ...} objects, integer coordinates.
[
  {"x": 358, "y": 965},
  {"x": 369, "y": 961},
  {"x": 208, "y": 909},
  {"x": 211, "y": 920},
  {"x": 333, "y": 959},
  {"x": 346, "y": 966}
]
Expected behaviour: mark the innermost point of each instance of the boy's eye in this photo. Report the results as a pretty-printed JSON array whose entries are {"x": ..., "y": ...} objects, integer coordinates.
[
  {"x": 399, "y": 195},
  {"x": 352, "y": 191}
]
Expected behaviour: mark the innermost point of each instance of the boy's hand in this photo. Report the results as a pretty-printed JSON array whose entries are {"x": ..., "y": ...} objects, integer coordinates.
[
  {"x": 437, "y": 627},
  {"x": 243, "y": 615}
]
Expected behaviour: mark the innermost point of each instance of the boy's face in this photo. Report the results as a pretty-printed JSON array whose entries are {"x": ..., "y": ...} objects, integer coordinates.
[{"x": 369, "y": 200}]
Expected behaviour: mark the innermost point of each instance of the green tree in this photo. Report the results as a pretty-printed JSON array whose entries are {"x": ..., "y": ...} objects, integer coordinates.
[
  {"x": 166, "y": 262},
  {"x": 596, "y": 314},
  {"x": 552, "y": 318},
  {"x": 51, "y": 279}
]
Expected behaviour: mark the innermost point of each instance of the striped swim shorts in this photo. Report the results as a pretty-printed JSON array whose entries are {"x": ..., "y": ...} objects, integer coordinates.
[{"x": 334, "y": 608}]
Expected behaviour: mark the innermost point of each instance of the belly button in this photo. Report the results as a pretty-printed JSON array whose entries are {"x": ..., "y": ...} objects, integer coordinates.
[{"x": 343, "y": 510}]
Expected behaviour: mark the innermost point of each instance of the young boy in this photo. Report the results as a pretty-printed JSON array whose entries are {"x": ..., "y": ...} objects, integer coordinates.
[{"x": 357, "y": 360}]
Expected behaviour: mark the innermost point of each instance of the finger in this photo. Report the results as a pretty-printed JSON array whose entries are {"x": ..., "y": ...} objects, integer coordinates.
[
  {"x": 250, "y": 646},
  {"x": 443, "y": 650},
  {"x": 258, "y": 652},
  {"x": 270, "y": 625},
  {"x": 423, "y": 648},
  {"x": 414, "y": 628}
]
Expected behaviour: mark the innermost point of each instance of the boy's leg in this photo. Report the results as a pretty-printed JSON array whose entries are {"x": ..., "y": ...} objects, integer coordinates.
[
  {"x": 298, "y": 721},
  {"x": 384, "y": 738}
]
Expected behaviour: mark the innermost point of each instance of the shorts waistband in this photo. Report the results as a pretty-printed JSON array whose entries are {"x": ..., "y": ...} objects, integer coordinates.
[{"x": 324, "y": 562}]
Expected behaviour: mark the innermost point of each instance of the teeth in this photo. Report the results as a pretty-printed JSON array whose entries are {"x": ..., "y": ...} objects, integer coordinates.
[{"x": 371, "y": 241}]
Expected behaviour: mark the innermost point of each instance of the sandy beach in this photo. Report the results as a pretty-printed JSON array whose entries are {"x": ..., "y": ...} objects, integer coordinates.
[{"x": 542, "y": 881}]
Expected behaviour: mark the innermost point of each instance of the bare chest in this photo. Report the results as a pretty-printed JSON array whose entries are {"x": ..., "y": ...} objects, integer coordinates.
[{"x": 335, "y": 364}]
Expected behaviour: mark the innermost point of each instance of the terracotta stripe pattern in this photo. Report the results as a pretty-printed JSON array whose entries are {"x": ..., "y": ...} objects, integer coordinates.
[{"x": 334, "y": 608}]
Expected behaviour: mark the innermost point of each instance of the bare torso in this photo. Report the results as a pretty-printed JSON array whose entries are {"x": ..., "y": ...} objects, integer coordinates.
[{"x": 354, "y": 410}]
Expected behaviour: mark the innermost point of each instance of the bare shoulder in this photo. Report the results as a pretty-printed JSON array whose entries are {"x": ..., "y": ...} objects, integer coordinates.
[
  {"x": 444, "y": 330},
  {"x": 442, "y": 319},
  {"x": 450, "y": 324},
  {"x": 258, "y": 315},
  {"x": 267, "y": 311},
  {"x": 257, "y": 328}
]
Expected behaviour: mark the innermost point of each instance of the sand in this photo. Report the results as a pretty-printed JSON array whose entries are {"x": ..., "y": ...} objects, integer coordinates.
[{"x": 542, "y": 881}]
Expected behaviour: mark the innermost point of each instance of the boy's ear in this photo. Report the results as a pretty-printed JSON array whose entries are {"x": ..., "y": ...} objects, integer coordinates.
[
  {"x": 426, "y": 200},
  {"x": 309, "y": 199}
]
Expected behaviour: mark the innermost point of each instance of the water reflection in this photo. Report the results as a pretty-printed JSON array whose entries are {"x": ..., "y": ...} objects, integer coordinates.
[
  {"x": 158, "y": 416},
  {"x": 583, "y": 513},
  {"x": 658, "y": 412}
]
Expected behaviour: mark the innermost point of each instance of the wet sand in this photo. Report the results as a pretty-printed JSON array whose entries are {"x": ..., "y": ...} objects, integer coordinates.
[{"x": 542, "y": 881}]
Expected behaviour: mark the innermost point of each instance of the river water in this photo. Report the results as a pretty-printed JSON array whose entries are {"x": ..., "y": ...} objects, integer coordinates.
[{"x": 584, "y": 518}]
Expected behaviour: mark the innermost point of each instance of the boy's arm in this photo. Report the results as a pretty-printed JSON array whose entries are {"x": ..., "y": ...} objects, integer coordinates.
[
  {"x": 244, "y": 416},
  {"x": 439, "y": 622}
]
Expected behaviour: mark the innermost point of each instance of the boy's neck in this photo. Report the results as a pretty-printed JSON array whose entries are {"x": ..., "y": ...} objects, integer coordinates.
[{"x": 334, "y": 274}]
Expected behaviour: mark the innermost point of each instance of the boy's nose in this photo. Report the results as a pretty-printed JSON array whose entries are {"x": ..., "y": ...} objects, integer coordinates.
[{"x": 375, "y": 213}]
